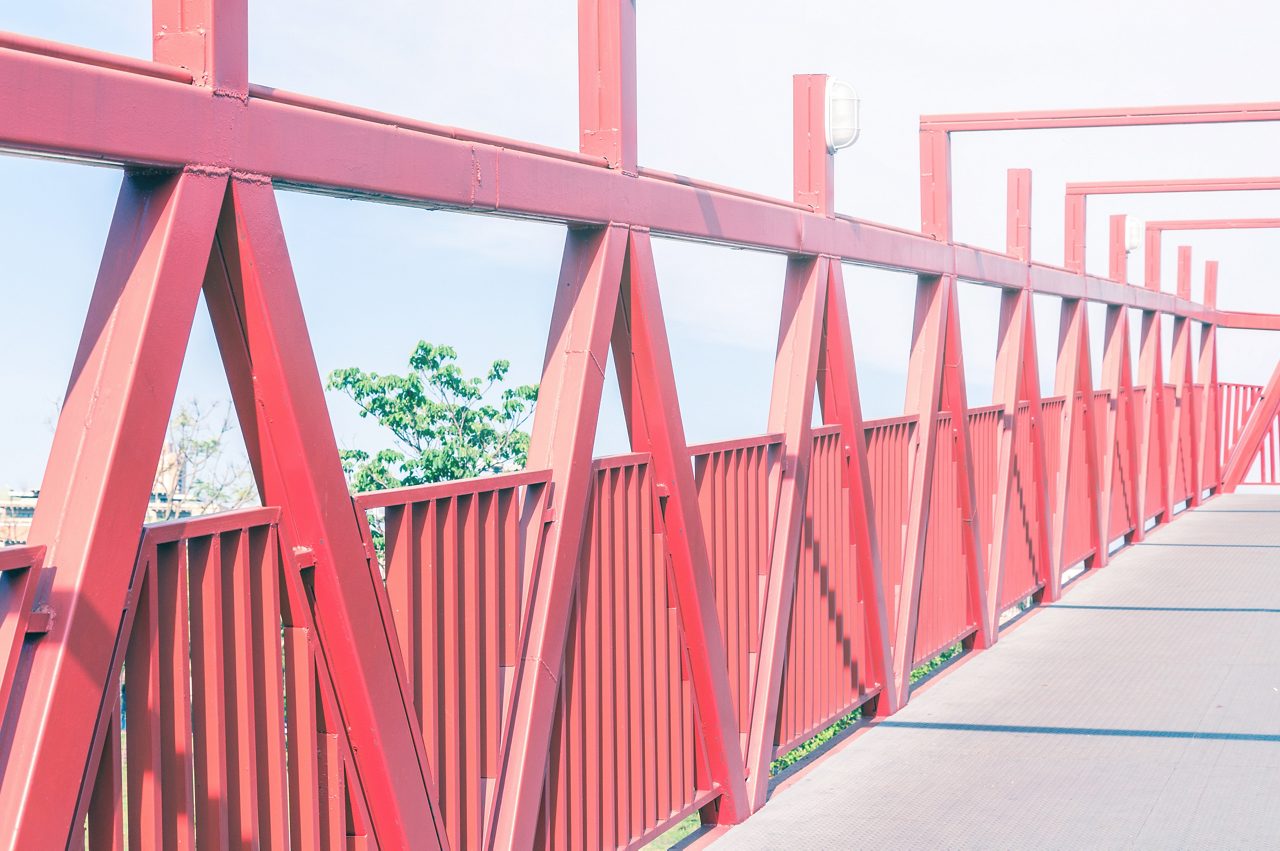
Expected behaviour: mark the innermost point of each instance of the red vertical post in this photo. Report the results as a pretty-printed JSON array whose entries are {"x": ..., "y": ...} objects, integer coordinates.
[
  {"x": 607, "y": 81},
  {"x": 96, "y": 487},
  {"x": 935, "y": 183},
  {"x": 1153, "y": 439},
  {"x": 1017, "y": 379},
  {"x": 564, "y": 432},
  {"x": 814, "y": 166},
  {"x": 1075, "y": 379},
  {"x": 210, "y": 38},
  {"x": 791, "y": 414},
  {"x": 1117, "y": 379},
  {"x": 841, "y": 404},
  {"x": 652, "y": 408},
  {"x": 1184, "y": 389},
  {"x": 1118, "y": 250},
  {"x": 266, "y": 349},
  {"x": 1208, "y": 460},
  {"x": 1074, "y": 239}
]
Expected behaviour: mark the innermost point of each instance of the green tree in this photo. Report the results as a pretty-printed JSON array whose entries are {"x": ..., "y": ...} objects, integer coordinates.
[{"x": 444, "y": 425}]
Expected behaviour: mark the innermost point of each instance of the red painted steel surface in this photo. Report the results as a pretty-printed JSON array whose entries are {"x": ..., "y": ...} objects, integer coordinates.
[
  {"x": 626, "y": 758},
  {"x": 219, "y": 723},
  {"x": 454, "y": 568},
  {"x": 947, "y": 610},
  {"x": 582, "y": 654},
  {"x": 1237, "y": 402},
  {"x": 829, "y": 671},
  {"x": 737, "y": 483},
  {"x": 888, "y": 448}
]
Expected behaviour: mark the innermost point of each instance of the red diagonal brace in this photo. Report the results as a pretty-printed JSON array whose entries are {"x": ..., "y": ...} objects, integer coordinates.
[
  {"x": 791, "y": 414},
  {"x": 564, "y": 432},
  {"x": 94, "y": 496},
  {"x": 643, "y": 359},
  {"x": 838, "y": 394},
  {"x": 1017, "y": 380},
  {"x": 266, "y": 349}
]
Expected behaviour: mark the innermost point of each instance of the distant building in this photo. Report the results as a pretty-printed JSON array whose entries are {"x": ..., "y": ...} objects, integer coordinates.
[{"x": 169, "y": 500}]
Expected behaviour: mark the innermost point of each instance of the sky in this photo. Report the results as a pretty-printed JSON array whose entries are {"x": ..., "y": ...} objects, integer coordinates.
[{"x": 714, "y": 103}]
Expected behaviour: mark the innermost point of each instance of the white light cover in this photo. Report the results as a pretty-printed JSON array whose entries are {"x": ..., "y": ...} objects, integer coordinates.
[
  {"x": 843, "y": 123},
  {"x": 1133, "y": 229}
]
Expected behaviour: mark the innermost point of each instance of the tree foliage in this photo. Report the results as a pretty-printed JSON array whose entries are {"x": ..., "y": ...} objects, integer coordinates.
[{"x": 444, "y": 424}]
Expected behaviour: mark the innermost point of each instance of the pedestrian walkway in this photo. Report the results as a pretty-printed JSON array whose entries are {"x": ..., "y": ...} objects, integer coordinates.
[{"x": 1142, "y": 710}]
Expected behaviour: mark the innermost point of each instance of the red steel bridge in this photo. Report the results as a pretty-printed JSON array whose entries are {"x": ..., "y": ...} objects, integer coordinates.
[{"x": 584, "y": 653}]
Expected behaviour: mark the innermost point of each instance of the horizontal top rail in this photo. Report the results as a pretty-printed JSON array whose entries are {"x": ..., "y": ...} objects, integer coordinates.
[
  {"x": 163, "y": 122},
  {"x": 613, "y": 462},
  {"x": 20, "y": 556},
  {"x": 735, "y": 443},
  {"x": 437, "y": 490},
  {"x": 1135, "y": 116},
  {"x": 168, "y": 531},
  {"x": 89, "y": 56}
]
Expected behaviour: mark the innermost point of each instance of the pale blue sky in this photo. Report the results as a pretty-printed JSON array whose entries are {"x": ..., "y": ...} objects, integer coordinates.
[{"x": 715, "y": 94}]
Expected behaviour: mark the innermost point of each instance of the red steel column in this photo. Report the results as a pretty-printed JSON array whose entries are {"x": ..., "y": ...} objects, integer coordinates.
[
  {"x": 607, "y": 81},
  {"x": 1117, "y": 379},
  {"x": 1075, "y": 378},
  {"x": 791, "y": 414},
  {"x": 647, "y": 381},
  {"x": 266, "y": 349},
  {"x": 1074, "y": 242},
  {"x": 841, "y": 403},
  {"x": 564, "y": 431},
  {"x": 1017, "y": 379},
  {"x": 1154, "y": 438},
  {"x": 814, "y": 185},
  {"x": 210, "y": 38},
  {"x": 1209, "y": 478},
  {"x": 93, "y": 499},
  {"x": 1184, "y": 387}
]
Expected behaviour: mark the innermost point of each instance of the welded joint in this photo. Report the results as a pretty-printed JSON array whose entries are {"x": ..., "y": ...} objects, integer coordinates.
[{"x": 304, "y": 557}]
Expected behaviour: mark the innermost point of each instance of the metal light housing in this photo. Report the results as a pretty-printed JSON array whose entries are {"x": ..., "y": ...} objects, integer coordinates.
[
  {"x": 1133, "y": 229},
  {"x": 843, "y": 119}
]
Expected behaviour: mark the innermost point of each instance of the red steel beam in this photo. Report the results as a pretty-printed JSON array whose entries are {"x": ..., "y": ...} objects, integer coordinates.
[
  {"x": 353, "y": 152},
  {"x": 1017, "y": 379},
  {"x": 1135, "y": 116},
  {"x": 1117, "y": 379}
]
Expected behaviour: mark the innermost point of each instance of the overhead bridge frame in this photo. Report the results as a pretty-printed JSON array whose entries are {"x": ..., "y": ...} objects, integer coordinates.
[{"x": 203, "y": 150}]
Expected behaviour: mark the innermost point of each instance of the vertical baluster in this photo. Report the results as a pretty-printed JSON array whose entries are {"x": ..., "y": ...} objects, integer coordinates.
[
  {"x": 303, "y": 744},
  {"x": 106, "y": 804},
  {"x": 142, "y": 711},
  {"x": 175, "y": 695},
  {"x": 268, "y": 686},
  {"x": 208, "y": 673}
]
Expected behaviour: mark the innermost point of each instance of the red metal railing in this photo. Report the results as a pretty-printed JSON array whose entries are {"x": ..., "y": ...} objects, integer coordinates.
[
  {"x": 581, "y": 655},
  {"x": 455, "y": 558},
  {"x": 1236, "y": 401},
  {"x": 19, "y": 575},
  {"x": 737, "y": 485},
  {"x": 828, "y": 669},
  {"x": 888, "y": 447},
  {"x": 626, "y": 759},
  {"x": 219, "y": 723}
]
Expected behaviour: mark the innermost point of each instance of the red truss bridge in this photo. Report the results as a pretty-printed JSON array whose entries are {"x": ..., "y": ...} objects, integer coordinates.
[{"x": 587, "y": 652}]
